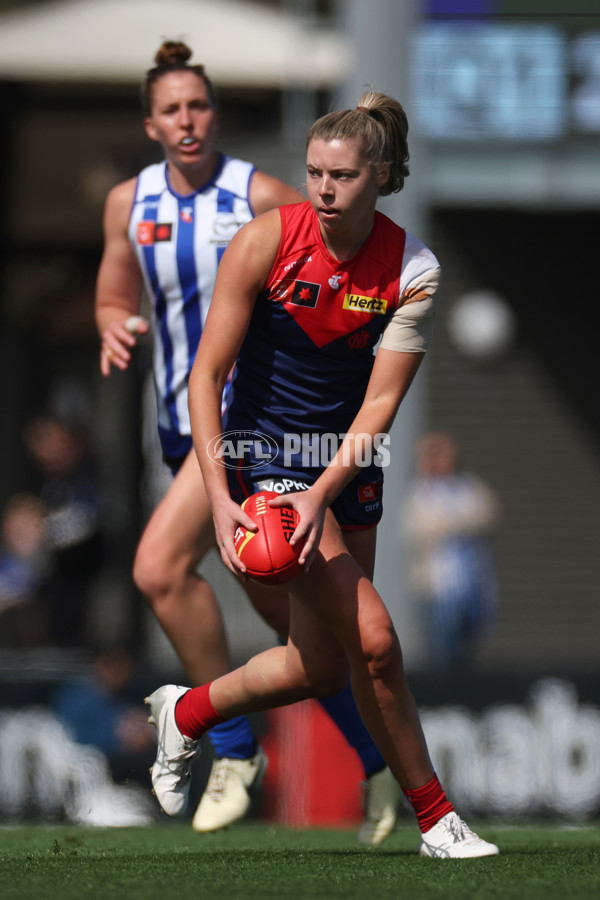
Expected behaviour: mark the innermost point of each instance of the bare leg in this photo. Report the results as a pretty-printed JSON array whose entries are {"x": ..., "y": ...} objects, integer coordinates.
[
  {"x": 177, "y": 537},
  {"x": 337, "y": 617},
  {"x": 271, "y": 602}
]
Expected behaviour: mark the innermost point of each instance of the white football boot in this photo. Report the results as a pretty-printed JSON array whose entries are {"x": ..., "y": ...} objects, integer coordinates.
[
  {"x": 228, "y": 791},
  {"x": 451, "y": 838},
  {"x": 171, "y": 772},
  {"x": 381, "y": 797}
]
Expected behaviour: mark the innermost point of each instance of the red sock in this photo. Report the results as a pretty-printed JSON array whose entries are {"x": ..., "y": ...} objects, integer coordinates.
[
  {"x": 429, "y": 803},
  {"x": 195, "y": 714}
]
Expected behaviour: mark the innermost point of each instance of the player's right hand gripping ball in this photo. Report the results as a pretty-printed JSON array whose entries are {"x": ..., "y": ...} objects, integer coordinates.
[{"x": 267, "y": 553}]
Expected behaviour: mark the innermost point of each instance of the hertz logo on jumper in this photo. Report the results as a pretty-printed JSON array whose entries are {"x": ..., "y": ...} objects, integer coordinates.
[{"x": 365, "y": 304}]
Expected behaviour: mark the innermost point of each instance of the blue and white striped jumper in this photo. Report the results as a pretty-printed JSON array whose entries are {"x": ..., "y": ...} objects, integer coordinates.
[{"x": 179, "y": 241}]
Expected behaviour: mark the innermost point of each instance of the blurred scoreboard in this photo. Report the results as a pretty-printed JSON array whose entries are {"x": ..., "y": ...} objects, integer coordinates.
[{"x": 505, "y": 82}]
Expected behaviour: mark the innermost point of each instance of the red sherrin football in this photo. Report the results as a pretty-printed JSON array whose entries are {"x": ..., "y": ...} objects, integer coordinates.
[{"x": 267, "y": 553}]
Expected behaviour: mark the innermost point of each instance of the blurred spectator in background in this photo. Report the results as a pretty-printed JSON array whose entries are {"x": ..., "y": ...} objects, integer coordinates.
[
  {"x": 23, "y": 567},
  {"x": 100, "y": 710},
  {"x": 69, "y": 493},
  {"x": 448, "y": 519}
]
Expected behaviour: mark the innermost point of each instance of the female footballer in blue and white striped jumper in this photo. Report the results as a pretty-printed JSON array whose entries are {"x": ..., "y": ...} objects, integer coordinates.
[{"x": 166, "y": 230}]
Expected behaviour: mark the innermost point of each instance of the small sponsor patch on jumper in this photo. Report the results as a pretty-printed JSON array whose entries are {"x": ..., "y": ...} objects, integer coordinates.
[
  {"x": 163, "y": 231},
  {"x": 358, "y": 303},
  {"x": 306, "y": 293},
  {"x": 145, "y": 233}
]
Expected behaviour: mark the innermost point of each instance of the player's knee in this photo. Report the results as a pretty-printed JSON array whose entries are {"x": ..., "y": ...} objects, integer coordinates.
[
  {"x": 154, "y": 573},
  {"x": 381, "y": 651},
  {"x": 146, "y": 574}
]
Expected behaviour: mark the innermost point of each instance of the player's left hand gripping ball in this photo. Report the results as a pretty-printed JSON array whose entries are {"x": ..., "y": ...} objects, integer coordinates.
[{"x": 267, "y": 553}]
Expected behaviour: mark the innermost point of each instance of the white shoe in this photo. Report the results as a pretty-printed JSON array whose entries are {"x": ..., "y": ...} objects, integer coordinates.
[
  {"x": 381, "y": 798},
  {"x": 227, "y": 795},
  {"x": 451, "y": 838},
  {"x": 171, "y": 772}
]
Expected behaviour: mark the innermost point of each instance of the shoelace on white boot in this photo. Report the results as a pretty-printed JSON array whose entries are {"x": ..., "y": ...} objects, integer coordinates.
[
  {"x": 215, "y": 789},
  {"x": 452, "y": 837},
  {"x": 180, "y": 764},
  {"x": 457, "y": 828}
]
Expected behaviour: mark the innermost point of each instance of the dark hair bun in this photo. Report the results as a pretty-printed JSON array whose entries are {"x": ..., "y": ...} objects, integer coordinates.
[{"x": 171, "y": 53}]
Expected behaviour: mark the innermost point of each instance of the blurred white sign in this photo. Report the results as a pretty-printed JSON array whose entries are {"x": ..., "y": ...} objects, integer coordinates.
[
  {"x": 480, "y": 81},
  {"x": 520, "y": 760}
]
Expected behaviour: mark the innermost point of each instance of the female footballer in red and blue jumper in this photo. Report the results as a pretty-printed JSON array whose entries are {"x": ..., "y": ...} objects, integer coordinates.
[
  {"x": 167, "y": 229},
  {"x": 303, "y": 295}
]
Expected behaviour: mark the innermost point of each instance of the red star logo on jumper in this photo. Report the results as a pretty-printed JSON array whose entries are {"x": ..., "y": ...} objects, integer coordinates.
[
  {"x": 305, "y": 294},
  {"x": 162, "y": 232}
]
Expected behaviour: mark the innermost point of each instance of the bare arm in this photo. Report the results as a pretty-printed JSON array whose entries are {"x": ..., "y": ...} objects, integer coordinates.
[
  {"x": 267, "y": 192},
  {"x": 242, "y": 273},
  {"x": 119, "y": 284}
]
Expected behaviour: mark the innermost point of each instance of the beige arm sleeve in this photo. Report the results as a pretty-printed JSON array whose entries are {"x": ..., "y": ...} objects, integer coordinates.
[{"x": 411, "y": 326}]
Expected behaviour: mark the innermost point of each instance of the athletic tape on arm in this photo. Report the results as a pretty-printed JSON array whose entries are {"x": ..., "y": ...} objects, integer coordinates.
[{"x": 411, "y": 326}]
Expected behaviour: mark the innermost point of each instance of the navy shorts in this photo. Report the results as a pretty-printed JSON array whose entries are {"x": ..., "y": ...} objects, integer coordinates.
[
  {"x": 175, "y": 462},
  {"x": 358, "y": 506}
]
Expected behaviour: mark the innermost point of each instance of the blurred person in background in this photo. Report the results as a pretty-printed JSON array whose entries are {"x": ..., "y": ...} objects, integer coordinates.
[
  {"x": 23, "y": 570},
  {"x": 102, "y": 710},
  {"x": 68, "y": 489},
  {"x": 167, "y": 230},
  {"x": 448, "y": 519}
]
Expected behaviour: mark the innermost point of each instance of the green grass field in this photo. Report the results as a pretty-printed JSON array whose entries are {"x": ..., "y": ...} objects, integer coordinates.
[{"x": 169, "y": 861}]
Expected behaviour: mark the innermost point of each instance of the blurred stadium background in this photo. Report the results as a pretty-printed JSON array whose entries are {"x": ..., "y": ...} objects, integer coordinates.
[{"x": 504, "y": 104}]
